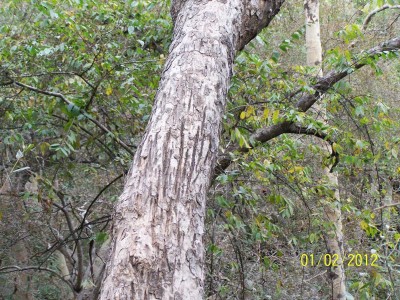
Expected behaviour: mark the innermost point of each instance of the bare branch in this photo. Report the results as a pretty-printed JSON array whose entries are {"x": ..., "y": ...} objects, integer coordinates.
[
  {"x": 79, "y": 278},
  {"x": 87, "y": 212},
  {"x": 374, "y": 12},
  {"x": 11, "y": 269},
  {"x": 387, "y": 205}
]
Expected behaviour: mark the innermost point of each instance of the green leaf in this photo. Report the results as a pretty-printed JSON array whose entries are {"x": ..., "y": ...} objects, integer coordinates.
[
  {"x": 275, "y": 56},
  {"x": 101, "y": 237},
  {"x": 73, "y": 109}
]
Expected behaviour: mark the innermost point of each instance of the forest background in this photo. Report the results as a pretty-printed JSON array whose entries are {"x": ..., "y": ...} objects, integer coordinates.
[{"x": 78, "y": 79}]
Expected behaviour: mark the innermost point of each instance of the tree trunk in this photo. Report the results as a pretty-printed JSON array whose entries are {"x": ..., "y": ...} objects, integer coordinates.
[
  {"x": 387, "y": 201},
  {"x": 157, "y": 248},
  {"x": 12, "y": 207},
  {"x": 334, "y": 238}
]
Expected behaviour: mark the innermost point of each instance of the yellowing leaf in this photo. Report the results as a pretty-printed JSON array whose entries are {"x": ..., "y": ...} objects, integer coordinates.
[
  {"x": 43, "y": 147},
  {"x": 298, "y": 168},
  {"x": 334, "y": 147},
  {"x": 242, "y": 115},
  {"x": 109, "y": 91},
  {"x": 275, "y": 116},
  {"x": 364, "y": 225},
  {"x": 250, "y": 111},
  {"x": 266, "y": 113}
]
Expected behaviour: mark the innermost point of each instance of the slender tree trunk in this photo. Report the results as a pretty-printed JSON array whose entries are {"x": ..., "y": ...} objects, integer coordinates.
[
  {"x": 13, "y": 210},
  {"x": 62, "y": 266},
  {"x": 22, "y": 280},
  {"x": 334, "y": 238},
  {"x": 387, "y": 201},
  {"x": 157, "y": 248}
]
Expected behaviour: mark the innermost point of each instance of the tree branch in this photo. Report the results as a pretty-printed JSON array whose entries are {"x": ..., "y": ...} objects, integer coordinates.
[
  {"x": 11, "y": 269},
  {"x": 326, "y": 82},
  {"x": 305, "y": 102},
  {"x": 56, "y": 73},
  {"x": 387, "y": 205},
  {"x": 87, "y": 212},
  {"x": 83, "y": 112},
  {"x": 374, "y": 12},
  {"x": 79, "y": 277}
]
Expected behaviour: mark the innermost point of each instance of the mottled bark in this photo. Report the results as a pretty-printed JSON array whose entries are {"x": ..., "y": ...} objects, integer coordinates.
[
  {"x": 313, "y": 37},
  {"x": 331, "y": 205},
  {"x": 11, "y": 207},
  {"x": 157, "y": 248}
]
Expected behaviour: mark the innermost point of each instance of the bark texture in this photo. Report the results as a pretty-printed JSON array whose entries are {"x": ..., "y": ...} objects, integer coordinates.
[
  {"x": 332, "y": 207},
  {"x": 157, "y": 248}
]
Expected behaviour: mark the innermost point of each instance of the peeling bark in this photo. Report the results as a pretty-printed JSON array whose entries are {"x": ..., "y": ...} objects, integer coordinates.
[{"x": 157, "y": 247}]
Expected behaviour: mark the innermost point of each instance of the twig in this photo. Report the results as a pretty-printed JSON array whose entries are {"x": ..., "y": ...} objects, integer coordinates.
[
  {"x": 82, "y": 225},
  {"x": 320, "y": 274},
  {"x": 387, "y": 205},
  {"x": 56, "y": 73},
  {"x": 11, "y": 269},
  {"x": 83, "y": 112}
]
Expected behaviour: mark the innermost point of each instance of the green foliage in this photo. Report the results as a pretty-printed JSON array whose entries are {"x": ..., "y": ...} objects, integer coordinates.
[{"x": 105, "y": 58}]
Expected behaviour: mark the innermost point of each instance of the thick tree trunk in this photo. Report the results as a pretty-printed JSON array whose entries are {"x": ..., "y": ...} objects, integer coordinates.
[
  {"x": 157, "y": 248},
  {"x": 334, "y": 238}
]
